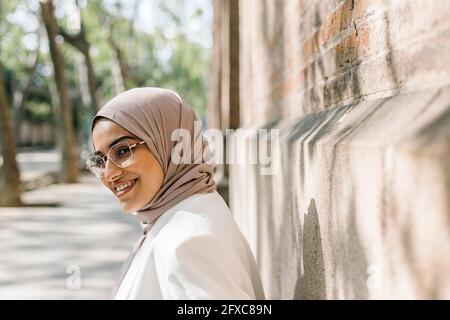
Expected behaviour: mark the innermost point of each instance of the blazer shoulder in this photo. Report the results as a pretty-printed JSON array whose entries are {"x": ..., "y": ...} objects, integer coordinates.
[
  {"x": 182, "y": 225},
  {"x": 202, "y": 215}
]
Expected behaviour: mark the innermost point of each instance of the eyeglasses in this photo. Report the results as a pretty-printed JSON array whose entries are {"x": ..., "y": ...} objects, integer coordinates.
[{"x": 121, "y": 154}]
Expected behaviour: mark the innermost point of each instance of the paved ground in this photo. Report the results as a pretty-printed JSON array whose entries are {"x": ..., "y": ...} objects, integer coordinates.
[{"x": 66, "y": 231}]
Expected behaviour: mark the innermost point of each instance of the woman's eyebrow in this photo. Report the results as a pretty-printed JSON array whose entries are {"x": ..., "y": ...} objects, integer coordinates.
[
  {"x": 119, "y": 139},
  {"x": 115, "y": 141}
]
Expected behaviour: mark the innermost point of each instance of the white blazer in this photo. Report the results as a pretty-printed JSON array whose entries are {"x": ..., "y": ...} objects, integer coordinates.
[{"x": 195, "y": 250}]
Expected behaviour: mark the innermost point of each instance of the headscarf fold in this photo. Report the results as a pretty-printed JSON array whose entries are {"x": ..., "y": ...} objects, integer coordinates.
[{"x": 153, "y": 114}]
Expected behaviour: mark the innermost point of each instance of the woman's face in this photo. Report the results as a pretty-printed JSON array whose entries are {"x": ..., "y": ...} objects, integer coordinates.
[{"x": 144, "y": 174}]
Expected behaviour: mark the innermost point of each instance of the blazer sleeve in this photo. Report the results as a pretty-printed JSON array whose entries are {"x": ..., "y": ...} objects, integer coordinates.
[{"x": 201, "y": 267}]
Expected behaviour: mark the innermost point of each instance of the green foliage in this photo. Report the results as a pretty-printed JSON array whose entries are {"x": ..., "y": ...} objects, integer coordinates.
[
  {"x": 38, "y": 111},
  {"x": 187, "y": 73},
  {"x": 16, "y": 39},
  {"x": 153, "y": 57}
]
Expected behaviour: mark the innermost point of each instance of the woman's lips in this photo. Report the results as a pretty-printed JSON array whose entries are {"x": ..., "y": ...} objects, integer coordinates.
[{"x": 127, "y": 189}]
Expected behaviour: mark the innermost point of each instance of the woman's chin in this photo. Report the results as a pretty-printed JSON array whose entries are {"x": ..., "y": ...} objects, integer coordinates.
[{"x": 131, "y": 205}]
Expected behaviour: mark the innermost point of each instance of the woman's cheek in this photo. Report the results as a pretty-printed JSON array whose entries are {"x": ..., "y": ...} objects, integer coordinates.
[{"x": 104, "y": 182}]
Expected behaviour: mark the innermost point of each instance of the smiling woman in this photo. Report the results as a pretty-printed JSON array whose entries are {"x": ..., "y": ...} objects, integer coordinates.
[
  {"x": 191, "y": 247},
  {"x": 133, "y": 176}
]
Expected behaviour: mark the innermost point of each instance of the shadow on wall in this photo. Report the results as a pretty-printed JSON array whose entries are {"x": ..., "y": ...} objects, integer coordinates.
[
  {"x": 311, "y": 285},
  {"x": 348, "y": 260}
]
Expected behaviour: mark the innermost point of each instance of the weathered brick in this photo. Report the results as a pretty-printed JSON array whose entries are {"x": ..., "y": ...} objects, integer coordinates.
[{"x": 359, "y": 90}]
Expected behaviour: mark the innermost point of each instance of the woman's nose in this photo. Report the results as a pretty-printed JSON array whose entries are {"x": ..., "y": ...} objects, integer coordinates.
[{"x": 111, "y": 171}]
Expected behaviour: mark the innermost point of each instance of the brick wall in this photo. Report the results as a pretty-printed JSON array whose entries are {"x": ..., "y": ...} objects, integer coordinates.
[
  {"x": 359, "y": 91},
  {"x": 306, "y": 56}
]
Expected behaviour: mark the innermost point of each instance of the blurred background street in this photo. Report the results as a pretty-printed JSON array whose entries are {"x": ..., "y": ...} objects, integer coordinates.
[
  {"x": 62, "y": 234},
  {"x": 62, "y": 230}
]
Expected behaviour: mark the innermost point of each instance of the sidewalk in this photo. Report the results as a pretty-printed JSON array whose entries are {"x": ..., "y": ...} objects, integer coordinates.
[{"x": 64, "y": 231}]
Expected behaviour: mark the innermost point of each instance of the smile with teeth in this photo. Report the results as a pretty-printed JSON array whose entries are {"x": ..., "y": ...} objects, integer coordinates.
[{"x": 125, "y": 187}]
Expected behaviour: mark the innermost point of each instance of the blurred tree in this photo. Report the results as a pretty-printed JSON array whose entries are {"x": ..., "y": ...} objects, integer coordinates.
[
  {"x": 186, "y": 72},
  {"x": 70, "y": 153},
  {"x": 125, "y": 51},
  {"x": 9, "y": 171},
  {"x": 115, "y": 25},
  {"x": 23, "y": 92},
  {"x": 187, "y": 67},
  {"x": 79, "y": 41},
  {"x": 21, "y": 61}
]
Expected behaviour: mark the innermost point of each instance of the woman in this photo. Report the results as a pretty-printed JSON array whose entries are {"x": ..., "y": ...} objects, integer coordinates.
[{"x": 192, "y": 247}]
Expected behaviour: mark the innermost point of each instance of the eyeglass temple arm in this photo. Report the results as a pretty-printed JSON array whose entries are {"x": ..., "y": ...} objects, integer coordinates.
[{"x": 137, "y": 144}]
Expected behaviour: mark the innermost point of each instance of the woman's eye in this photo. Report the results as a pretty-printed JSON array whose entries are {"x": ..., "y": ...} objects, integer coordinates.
[
  {"x": 123, "y": 151},
  {"x": 99, "y": 162}
]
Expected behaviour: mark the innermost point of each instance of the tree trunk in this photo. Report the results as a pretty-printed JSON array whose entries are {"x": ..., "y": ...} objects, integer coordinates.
[
  {"x": 80, "y": 43},
  {"x": 92, "y": 79},
  {"x": 70, "y": 156},
  {"x": 119, "y": 84},
  {"x": 122, "y": 75},
  {"x": 121, "y": 63},
  {"x": 22, "y": 95},
  {"x": 9, "y": 171}
]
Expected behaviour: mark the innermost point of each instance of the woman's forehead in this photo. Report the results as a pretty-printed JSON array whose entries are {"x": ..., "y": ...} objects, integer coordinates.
[{"x": 107, "y": 131}]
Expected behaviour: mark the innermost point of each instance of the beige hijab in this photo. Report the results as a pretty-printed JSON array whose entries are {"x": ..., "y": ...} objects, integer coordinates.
[{"x": 152, "y": 114}]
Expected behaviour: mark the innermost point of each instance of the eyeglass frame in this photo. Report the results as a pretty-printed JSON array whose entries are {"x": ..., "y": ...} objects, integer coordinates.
[{"x": 107, "y": 156}]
